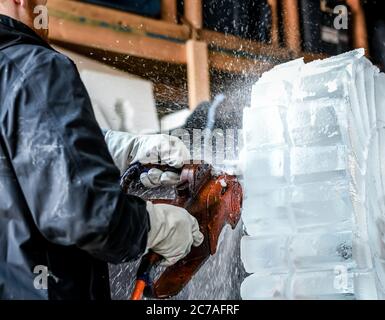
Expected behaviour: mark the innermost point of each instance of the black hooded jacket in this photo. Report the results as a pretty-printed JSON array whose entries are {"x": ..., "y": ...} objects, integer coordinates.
[{"x": 62, "y": 213}]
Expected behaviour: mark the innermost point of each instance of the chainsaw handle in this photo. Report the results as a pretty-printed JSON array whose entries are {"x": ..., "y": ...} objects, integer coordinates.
[
  {"x": 137, "y": 294},
  {"x": 143, "y": 276},
  {"x": 133, "y": 172}
]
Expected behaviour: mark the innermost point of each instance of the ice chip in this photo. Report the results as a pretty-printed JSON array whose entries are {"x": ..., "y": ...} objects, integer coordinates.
[
  {"x": 262, "y": 287},
  {"x": 265, "y": 171},
  {"x": 314, "y": 123},
  {"x": 322, "y": 251},
  {"x": 320, "y": 206},
  {"x": 335, "y": 284},
  {"x": 264, "y": 127},
  {"x": 264, "y": 253},
  {"x": 317, "y": 163}
]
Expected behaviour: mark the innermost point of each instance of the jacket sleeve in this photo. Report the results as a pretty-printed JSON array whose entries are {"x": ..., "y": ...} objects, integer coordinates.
[{"x": 63, "y": 166}]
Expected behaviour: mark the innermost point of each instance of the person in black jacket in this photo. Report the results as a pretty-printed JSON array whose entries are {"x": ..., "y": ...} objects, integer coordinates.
[{"x": 63, "y": 215}]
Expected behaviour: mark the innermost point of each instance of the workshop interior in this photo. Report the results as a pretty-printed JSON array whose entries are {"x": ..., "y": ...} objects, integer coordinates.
[{"x": 192, "y": 150}]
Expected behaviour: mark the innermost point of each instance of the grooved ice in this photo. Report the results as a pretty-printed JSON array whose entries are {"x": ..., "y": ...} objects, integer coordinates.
[{"x": 314, "y": 170}]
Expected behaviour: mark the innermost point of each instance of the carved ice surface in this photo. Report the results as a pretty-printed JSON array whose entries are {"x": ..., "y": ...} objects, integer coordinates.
[{"x": 314, "y": 170}]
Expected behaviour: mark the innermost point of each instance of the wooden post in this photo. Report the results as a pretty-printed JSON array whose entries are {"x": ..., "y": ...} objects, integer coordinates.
[
  {"x": 198, "y": 74},
  {"x": 360, "y": 32},
  {"x": 274, "y": 17},
  {"x": 291, "y": 25},
  {"x": 170, "y": 11},
  {"x": 193, "y": 13}
]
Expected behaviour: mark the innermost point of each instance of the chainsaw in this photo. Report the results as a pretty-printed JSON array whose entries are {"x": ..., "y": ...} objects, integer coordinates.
[{"x": 213, "y": 199}]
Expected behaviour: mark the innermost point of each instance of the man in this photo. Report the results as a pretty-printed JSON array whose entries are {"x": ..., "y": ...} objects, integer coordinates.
[{"x": 62, "y": 213}]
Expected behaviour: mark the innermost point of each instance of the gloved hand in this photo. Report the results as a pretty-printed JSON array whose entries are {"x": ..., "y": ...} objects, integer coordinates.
[
  {"x": 173, "y": 232},
  {"x": 127, "y": 149}
]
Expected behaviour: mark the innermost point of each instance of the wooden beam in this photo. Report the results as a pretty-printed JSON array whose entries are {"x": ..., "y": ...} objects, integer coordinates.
[
  {"x": 197, "y": 72},
  {"x": 240, "y": 66},
  {"x": 291, "y": 24},
  {"x": 170, "y": 11},
  {"x": 111, "y": 18},
  {"x": 360, "y": 32},
  {"x": 78, "y": 33},
  {"x": 275, "y": 22},
  {"x": 130, "y": 36},
  {"x": 193, "y": 13},
  {"x": 248, "y": 67},
  {"x": 238, "y": 45}
]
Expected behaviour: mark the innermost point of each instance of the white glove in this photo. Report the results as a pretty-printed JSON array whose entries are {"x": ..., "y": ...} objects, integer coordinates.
[
  {"x": 173, "y": 232},
  {"x": 126, "y": 149}
]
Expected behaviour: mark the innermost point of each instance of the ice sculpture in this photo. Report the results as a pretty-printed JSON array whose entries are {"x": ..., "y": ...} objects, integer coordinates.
[{"x": 314, "y": 178}]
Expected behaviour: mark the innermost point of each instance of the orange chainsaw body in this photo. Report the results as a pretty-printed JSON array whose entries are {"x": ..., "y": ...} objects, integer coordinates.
[{"x": 214, "y": 201}]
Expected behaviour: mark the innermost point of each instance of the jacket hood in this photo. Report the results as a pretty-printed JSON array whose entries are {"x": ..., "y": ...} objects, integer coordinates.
[{"x": 13, "y": 32}]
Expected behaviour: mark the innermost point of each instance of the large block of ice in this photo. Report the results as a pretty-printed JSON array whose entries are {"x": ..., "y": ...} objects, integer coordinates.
[
  {"x": 336, "y": 285},
  {"x": 314, "y": 123},
  {"x": 327, "y": 78},
  {"x": 262, "y": 226},
  {"x": 270, "y": 93},
  {"x": 268, "y": 225},
  {"x": 370, "y": 72},
  {"x": 322, "y": 251},
  {"x": 314, "y": 178},
  {"x": 260, "y": 287},
  {"x": 264, "y": 253},
  {"x": 266, "y": 214},
  {"x": 318, "y": 163},
  {"x": 373, "y": 177},
  {"x": 322, "y": 205},
  {"x": 380, "y": 267},
  {"x": 317, "y": 84},
  {"x": 339, "y": 284},
  {"x": 265, "y": 171},
  {"x": 362, "y": 253},
  {"x": 379, "y": 86},
  {"x": 365, "y": 287},
  {"x": 376, "y": 230},
  {"x": 274, "y": 87},
  {"x": 360, "y": 92},
  {"x": 259, "y": 133}
]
